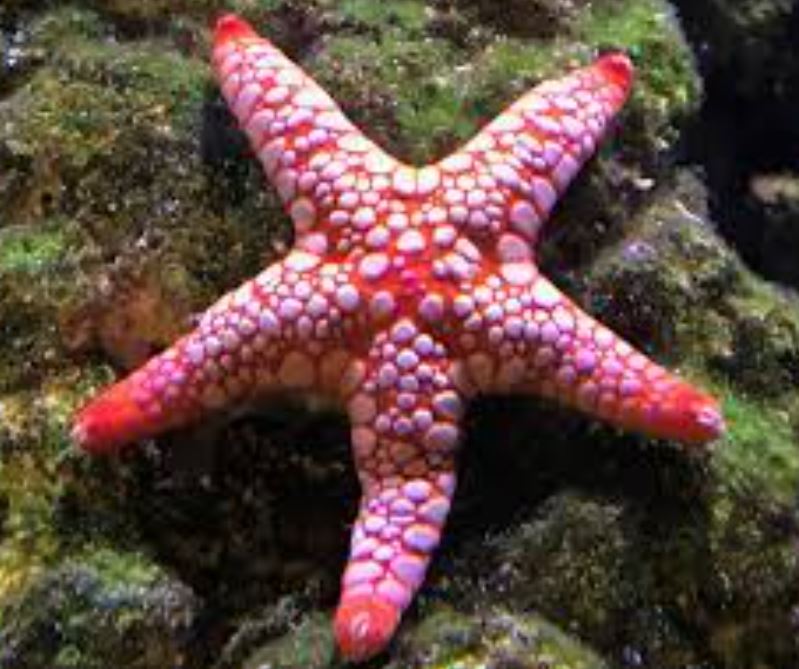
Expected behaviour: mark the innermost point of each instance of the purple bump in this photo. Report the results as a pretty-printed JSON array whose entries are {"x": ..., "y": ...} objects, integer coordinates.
[
  {"x": 585, "y": 361},
  {"x": 402, "y": 507},
  {"x": 407, "y": 359},
  {"x": 363, "y": 548},
  {"x": 361, "y": 572},
  {"x": 448, "y": 404},
  {"x": 395, "y": 592},
  {"x": 421, "y": 538},
  {"x": 409, "y": 569},
  {"x": 549, "y": 332},
  {"x": 629, "y": 386},
  {"x": 435, "y": 511},
  {"x": 543, "y": 193},
  {"x": 417, "y": 490}
]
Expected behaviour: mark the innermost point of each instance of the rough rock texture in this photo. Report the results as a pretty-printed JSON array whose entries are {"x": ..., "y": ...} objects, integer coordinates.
[
  {"x": 92, "y": 609},
  {"x": 773, "y": 197},
  {"x": 747, "y": 130},
  {"x": 127, "y": 202},
  {"x": 444, "y": 639}
]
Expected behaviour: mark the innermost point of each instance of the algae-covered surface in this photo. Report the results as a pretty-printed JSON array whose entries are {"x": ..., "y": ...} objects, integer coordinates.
[{"x": 128, "y": 202}]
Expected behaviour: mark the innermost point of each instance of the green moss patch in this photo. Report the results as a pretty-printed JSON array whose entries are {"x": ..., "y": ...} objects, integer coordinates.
[
  {"x": 667, "y": 82},
  {"x": 420, "y": 93},
  {"x": 760, "y": 452},
  {"x": 94, "y": 91},
  {"x": 110, "y": 609},
  {"x": 450, "y": 640},
  {"x": 38, "y": 250},
  {"x": 408, "y": 16}
]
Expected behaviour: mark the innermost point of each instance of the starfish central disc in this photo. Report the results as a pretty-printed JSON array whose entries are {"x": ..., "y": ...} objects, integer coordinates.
[{"x": 408, "y": 292}]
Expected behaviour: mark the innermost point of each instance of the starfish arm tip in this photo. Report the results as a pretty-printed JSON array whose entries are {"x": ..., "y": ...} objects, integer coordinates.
[
  {"x": 107, "y": 423},
  {"x": 363, "y": 627},
  {"x": 706, "y": 420},
  {"x": 617, "y": 67},
  {"x": 689, "y": 416},
  {"x": 231, "y": 27}
]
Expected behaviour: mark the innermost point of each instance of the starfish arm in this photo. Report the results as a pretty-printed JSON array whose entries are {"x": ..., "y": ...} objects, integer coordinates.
[
  {"x": 514, "y": 170},
  {"x": 316, "y": 158},
  {"x": 404, "y": 432},
  {"x": 533, "y": 338},
  {"x": 279, "y": 331}
]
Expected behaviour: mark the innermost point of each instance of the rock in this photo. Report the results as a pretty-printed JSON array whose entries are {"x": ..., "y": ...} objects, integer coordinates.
[
  {"x": 97, "y": 610},
  {"x": 775, "y": 197},
  {"x": 309, "y": 644},
  {"x": 748, "y": 37},
  {"x": 746, "y": 126},
  {"x": 690, "y": 297},
  {"x": 444, "y": 639},
  {"x": 632, "y": 576},
  {"x": 127, "y": 203},
  {"x": 652, "y": 543}
]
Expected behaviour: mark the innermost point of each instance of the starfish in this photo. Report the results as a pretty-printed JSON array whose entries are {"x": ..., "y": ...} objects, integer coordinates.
[{"x": 409, "y": 290}]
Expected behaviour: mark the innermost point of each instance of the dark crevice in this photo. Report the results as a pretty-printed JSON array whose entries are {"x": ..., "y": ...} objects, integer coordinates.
[
  {"x": 508, "y": 470},
  {"x": 747, "y": 126}
]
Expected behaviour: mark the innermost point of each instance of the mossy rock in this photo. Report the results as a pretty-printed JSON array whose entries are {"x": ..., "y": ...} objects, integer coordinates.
[
  {"x": 309, "y": 644},
  {"x": 442, "y": 639},
  {"x": 674, "y": 288},
  {"x": 422, "y": 80},
  {"x": 40, "y": 272},
  {"x": 118, "y": 141},
  {"x": 657, "y": 542},
  {"x": 745, "y": 135},
  {"x": 97, "y": 610},
  {"x": 646, "y": 582},
  {"x": 445, "y": 639},
  {"x": 105, "y": 173}
]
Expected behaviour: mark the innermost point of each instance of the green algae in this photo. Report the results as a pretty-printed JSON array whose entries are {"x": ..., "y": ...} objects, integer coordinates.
[
  {"x": 91, "y": 92},
  {"x": 81, "y": 614},
  {"x": 447, "y": 639},
  {"x": 726, "y": 564},
  {"x": 764, "y": 358},
  {"x": 666, "y": 88},
  {"x": 92, "y": 142},
  {"x": 28, "y": 544},
  {"x": 107, "y": 603},
  {"x": 425, "y": 94},
  {"x": 104, "y": 158},
  {"x": 39, "y": 274},
  {"x": 309, "y": 645},
  {"x": 760, "y": 452},
  {"x": 102, "y": 139},
  {"x": 116, "y": 568},
  {"x": 412, "y": 110},
  {"x": 735, "y": 334},
  {"x": 407, "y": 16},
  {"x": 32, "y": 251},
  {"x": 34, "y": 442},
  {"x": 634, "y": 578}
]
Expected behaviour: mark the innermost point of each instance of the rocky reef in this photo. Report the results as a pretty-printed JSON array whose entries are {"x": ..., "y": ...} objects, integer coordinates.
[{"x": 128, "y": 202}]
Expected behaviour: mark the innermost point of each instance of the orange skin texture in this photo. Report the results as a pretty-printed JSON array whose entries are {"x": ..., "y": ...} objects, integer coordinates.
[{"x": 408, "y": 292}]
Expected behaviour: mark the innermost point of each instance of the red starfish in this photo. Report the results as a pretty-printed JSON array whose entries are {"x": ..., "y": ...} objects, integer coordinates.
[{"x": 408, "y": 292}]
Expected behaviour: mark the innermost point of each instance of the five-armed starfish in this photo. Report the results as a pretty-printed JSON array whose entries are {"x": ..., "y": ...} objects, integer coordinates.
[{"x": 408, "y": 292}]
